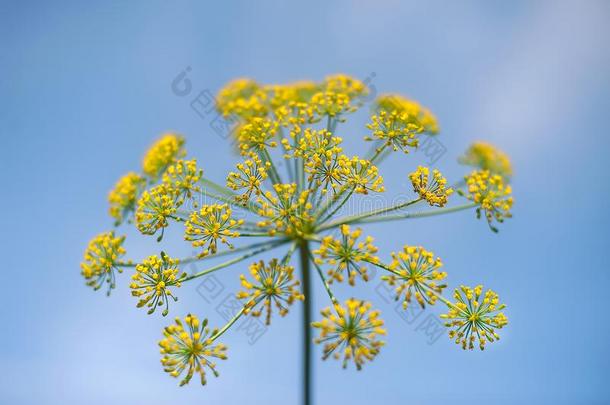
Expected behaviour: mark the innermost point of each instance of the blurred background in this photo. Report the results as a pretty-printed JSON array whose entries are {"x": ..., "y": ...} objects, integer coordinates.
[{"x": 87, "y": 86}]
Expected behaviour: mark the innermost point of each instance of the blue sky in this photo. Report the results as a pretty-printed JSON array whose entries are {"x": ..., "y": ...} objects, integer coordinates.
[{"x": 87, "y": 87}]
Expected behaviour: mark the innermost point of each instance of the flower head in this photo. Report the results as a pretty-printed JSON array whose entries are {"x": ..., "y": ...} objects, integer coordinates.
[
  {"x": 258, "y": 135},
  {"x": 182, "y": 178},
  {"x": 295, "y": 114},
  {"x": 163, "y": 153},
  {"x": 400, "y": 104},
  {"x": 123, "y": 197},
  {"x": 322, "y": 157},
  {"x": 249, "y": 177},
  {"x": 434, "y": 189},
  {"x": 273, "y": 284},
  {"x": 287, "y": 211},
  {"x": 315, "y": 143},
  {"x": 152, "y": 280},
  {"x": 474, "y": 316},
  {"x": 485, "y": 156},
  {"x": 327, "y": 170},
  {"x": 491, "y": 194},
  {"x": 101, "y": 259},
  {"x": 397, "y": 129},
  {"x": 351, "y": 332},
  {"x": 155, "y": 206},
  {"x": 190, "y": 346},
  {"x": 362, "y": 175},
  {"x": 415, "y": 272},
  {"x": 293, "y": 93},
  {"x": 209, "y": 225},
  {"x": 332, "y": 104},
  {"x": 244, "y": 98},
  {"x": 347, "y": 255},
  {"x": 341, "y": 83}
]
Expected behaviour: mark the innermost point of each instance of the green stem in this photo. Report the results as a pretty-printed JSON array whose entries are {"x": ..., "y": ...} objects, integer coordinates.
[
  {"x": 446, "y": 301},
  {"x": 378, "y": 152},
  {"x": 235, "y": 260},
  {"x": 375, "y": 145},
  {"x": 384, "y": 266},
  {"x": 354, "y": 218},
  {"x": 273, "y": 174},
  {"x": 387, "y": 152},
  {"x": 331, "y": 201},
  {"x": 306, "y": 279},
  {"x": 217, "y": 187},
  {"x": 291, "y": 176},
  {"x": 301, "y": 182},
  {"x": 458, "y": 184},
  {"x": 190, "y": 259},
  {"x": 321, "y": 274},
  {"x": 420, "y": 214},
  {"x": 338, "y": 207},
  {"x": 288, "y": 254},
  {"x": 249, "y": 206},
  {"x": 254, "y": 234},
  {"x": 297, "y": 176},
  {"x": 230, "y": 323}
]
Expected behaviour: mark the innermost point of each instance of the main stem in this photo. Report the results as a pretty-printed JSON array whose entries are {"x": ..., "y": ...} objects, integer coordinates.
[{"x": 306, "y": 280}]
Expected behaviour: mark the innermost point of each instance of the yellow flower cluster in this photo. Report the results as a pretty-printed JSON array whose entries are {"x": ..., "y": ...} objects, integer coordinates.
[
  {"x": 397, "y": 129},
  {"x": 257, "y": 135},
  {"x": 344, "y": 84},
  {"x": 295, "y": 114},
  {"x": 322, "y": 157},
  {"x": 244, "y": 98},
  {"x": 475, "y": 316},
  {"x": 190, "y": 348},
  {"x": 288, "y": 211},
  {"x": 298, "y": 202},
  {"x": 249, "y": 176},
  {"x": 273, "y": 284},
  {"x": 294, "y": 103},
  {"x": 400, "y": 104},
  {"x": 291, "y": 94},
  {"x": 123, "y": 197},
  {"x": 361, "y": 174},
  {"x": 152, "y": 280},
  {"x": 351, "y": 332},
  {"x": 154, "y": 208},
  {"x": 415, "y": 272},
  {"x": 210, "y": 224},
  {"x": 314, "y": 144},
  {"x": 331, "y": 104},
  {"x": 327, "y": 170},
  {"x": 162, "y": 153},
  {"x": 491, "y": 194},
  {"x": 434, "y": 190},
  {"x": 182, "y": 179},
  {"x": 485, "y": 156},
  {"x": 347, "y": 255},
  {"x": 156, "y": 205},
  {"x": 101, "y": 260}
]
